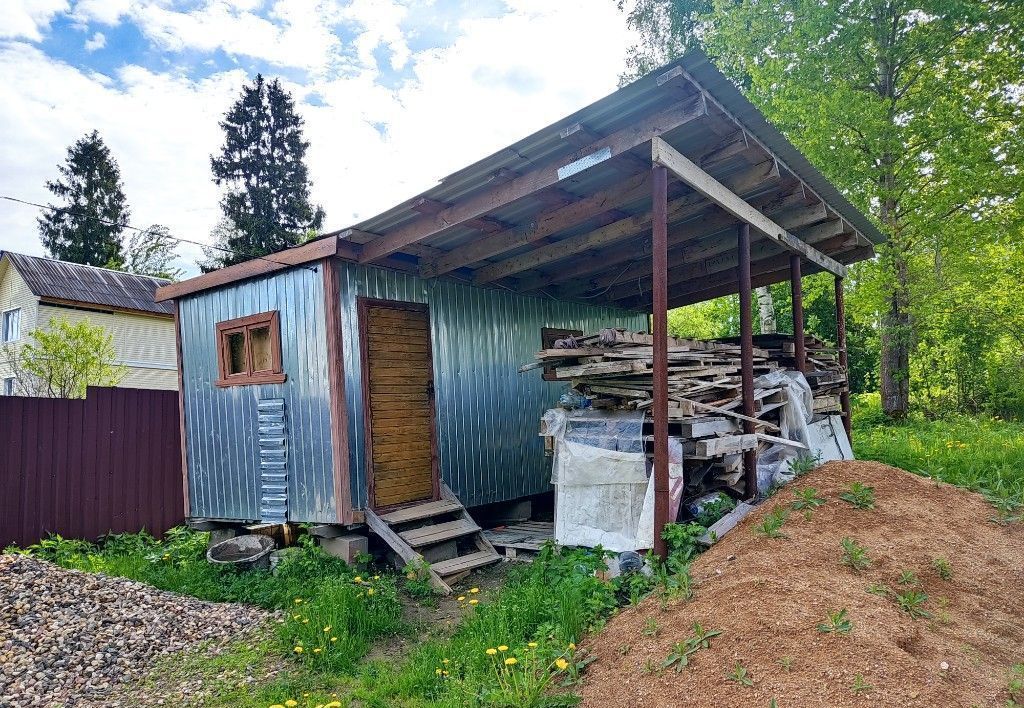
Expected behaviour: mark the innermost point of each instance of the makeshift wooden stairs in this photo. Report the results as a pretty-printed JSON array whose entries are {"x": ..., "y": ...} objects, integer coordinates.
[{"x": 413, "y": 530}]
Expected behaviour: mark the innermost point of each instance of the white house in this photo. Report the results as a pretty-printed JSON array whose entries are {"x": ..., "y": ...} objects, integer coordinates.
[{"x": 33, "y": 290}]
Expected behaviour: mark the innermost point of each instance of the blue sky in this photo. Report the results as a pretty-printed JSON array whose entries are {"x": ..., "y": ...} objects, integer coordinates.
[{"x": 395, "y": 93}]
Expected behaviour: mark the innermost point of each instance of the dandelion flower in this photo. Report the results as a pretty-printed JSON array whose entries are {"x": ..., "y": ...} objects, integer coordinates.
[
  {"x": 444, "y": 673},
  {"x": 327, "y": 629},
  {"x": 370, "y": 591},
  {"x": 277, "y": 705},
  {"x": 503, "y": 648},
  {"x": 305, "y": 621},
  {"x": 491, "y": 652},
  {"x": 460, "y": 598},
  {"x": 474, "y": 590},
  {"x": 532, "y": 645},
  {"x": 474, "y": 602},
  {"x": 357, "y": 579},
  {"x": 291, "y": 703},
  {"x": 298, "y": 650},
  {"x": 298, "y": 601},
  {"x": 561, "y": 663},
  {"x": 334, "y": 639},
  {"x": 317, "y": 650},
  {"x": 437, "y": 672},
  {"x": 376, "y": 577},
  {"x": 444, "y": 661},
  {"x": 511, "y": 661},
  {"x": 572, "y": 646},
  {"x": 295, "y": 617},
  {"x": 333, "y": 704}
]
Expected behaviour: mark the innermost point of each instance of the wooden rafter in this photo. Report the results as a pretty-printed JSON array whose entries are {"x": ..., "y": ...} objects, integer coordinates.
[
  {"x": 664, "y": 154},
  {"x": 531, "y": 181}
]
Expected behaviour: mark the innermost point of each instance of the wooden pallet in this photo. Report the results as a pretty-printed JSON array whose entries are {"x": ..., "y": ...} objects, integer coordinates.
[
  {"x": 412, "y": 530},
  {"x": 529, "y": 536}
]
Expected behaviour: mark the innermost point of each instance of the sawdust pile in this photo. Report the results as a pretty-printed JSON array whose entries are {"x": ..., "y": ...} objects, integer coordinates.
[{"x": 768, "y": 596}]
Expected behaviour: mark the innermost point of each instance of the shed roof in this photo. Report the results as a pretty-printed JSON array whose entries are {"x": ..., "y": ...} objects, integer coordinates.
[
  {"x": 566, "y": 212},
  {"x": 77, "y": 283}
]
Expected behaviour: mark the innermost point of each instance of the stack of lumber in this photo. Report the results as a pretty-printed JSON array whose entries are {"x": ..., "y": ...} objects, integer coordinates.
[{"x": 613, "y": 370}]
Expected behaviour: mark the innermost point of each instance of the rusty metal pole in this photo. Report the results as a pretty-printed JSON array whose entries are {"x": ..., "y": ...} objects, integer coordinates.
[
  {"x": 796, "y": 288},
  {"x": 747, "y": 357},
  {"x": 844, "y": 396},
  {"x": 659, "y": 272}
]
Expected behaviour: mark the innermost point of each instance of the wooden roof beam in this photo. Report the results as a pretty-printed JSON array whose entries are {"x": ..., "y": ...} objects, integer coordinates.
[
  {"x": 480, "y": 223},
  {"x": 533, "y": 180},
  {"x": 664, "y": 154},
  {"x": 679, "y": 209},
  {"x": 580, "y": 136}
]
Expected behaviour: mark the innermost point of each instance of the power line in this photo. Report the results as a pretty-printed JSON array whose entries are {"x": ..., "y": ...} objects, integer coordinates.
[{"x": 136, "y": 228}]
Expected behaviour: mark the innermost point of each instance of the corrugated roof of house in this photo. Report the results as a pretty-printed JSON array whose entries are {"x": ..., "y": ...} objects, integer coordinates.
[{"x": 74, "y": 282}]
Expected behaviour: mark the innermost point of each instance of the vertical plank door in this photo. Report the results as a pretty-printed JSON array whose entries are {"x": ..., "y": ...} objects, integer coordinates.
[{"x": 399, "y": 392}]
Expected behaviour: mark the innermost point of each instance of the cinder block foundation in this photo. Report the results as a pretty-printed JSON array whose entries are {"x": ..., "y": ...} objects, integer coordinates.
[{"x": 348, "y": 547}]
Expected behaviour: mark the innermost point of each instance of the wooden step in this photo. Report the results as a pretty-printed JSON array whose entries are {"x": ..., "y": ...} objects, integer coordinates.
[
  {"x": 422, "y": 511},
  {"x": 464, "y": 563},
  {"x": 436, "y": 533}
]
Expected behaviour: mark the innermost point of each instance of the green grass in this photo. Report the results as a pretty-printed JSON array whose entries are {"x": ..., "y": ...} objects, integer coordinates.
[{"x": 984, "y": 454}]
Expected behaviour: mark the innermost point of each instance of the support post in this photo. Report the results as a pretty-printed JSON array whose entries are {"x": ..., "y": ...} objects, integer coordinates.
[
  {"x": 844, "y": 397},
  {"x": 747, "y": 357},
  {"x": 797, "y": 290},
  {"x": 659, "y": 273}
]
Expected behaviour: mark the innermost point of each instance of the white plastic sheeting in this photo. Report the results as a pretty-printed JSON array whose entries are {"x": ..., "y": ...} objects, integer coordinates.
[{"x": 794, "y": 417}]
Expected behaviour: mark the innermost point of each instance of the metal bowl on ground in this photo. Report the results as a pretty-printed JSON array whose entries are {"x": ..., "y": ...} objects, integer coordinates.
[{"x": 242, "y": 552}]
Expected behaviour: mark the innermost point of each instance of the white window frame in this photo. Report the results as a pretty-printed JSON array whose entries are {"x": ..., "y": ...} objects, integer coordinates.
[
  {"x": 3, "y": 326},
  {"x": 5, "y": 390}
]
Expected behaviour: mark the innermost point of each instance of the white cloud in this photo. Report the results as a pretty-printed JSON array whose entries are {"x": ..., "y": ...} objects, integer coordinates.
[
  {"x": 28, "y": 19},
  {"x": 97, "y": 41},
  {"x": 501, "y": 79},
  {"x": 106, "y": 12}
]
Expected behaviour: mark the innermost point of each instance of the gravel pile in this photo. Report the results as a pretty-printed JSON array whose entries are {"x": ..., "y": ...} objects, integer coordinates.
[{"x": 69, "y": 638}]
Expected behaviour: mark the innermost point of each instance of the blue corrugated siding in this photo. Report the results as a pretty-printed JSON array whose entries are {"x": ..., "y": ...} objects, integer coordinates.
[
  {"x": 487, "y": 413},
  {"x": 221, "y": 423}
]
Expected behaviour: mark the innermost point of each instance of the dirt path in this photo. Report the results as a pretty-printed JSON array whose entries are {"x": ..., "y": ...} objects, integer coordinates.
[{"x": 768, "y": 595}]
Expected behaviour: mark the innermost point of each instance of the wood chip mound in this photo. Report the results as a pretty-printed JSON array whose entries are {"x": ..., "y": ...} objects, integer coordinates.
[{"x": 767, "y": 596}]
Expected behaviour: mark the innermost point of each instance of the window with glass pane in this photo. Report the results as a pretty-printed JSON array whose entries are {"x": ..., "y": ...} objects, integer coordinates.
[
  {"x": 9, "y": 386},
  {"x": 249, "y": 350},
  {"x": 10, "y": 326},
  {"x": 236, "y": 354},
  {"x": 262, "y": 356}
]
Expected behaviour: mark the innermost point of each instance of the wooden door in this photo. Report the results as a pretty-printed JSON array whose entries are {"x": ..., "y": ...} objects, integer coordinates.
[{"x": 398, "y": 390}]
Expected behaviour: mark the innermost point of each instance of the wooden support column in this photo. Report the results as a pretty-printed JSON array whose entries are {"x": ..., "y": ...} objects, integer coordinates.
[
  {"x": 844, "y": 397},
  {"x": 659, "y": 273},
  {"x": 797, "y": 290},
  {"x": 747, "y": 357}
]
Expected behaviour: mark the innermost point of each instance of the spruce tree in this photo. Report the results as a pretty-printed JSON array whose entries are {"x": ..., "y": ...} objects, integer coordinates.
[
  {"x": 262, "y": 168},
  {"x": 86, "y": 228}
]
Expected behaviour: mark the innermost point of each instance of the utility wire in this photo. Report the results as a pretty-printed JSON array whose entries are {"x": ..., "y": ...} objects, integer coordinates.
[{"x": 136, "y": 228}]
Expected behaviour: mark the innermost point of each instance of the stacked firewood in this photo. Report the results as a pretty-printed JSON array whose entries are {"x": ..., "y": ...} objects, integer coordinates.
[{"x": 613, "y": 370}]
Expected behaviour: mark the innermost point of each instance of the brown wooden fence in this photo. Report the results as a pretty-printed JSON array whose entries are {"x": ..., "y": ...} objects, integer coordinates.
[{"x": 83, "y": 468}]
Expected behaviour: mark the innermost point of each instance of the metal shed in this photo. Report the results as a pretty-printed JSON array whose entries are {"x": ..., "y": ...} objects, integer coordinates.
[{"x": 672, "y": 190}]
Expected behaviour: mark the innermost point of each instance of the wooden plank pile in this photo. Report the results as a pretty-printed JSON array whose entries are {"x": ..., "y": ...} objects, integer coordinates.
[{"x": 613, "y": 370}]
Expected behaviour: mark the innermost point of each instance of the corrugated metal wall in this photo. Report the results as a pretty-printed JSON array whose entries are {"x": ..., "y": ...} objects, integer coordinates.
[
  {"x": 110, "y": 462},
  {"x": 221, "y": 423},
  {"x": 488, "y": 414}
]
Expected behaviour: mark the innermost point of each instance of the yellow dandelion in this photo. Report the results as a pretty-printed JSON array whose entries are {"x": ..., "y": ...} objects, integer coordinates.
[
  {"x": 305, "y": 695},
  {"x": 444, "y": 661},
  {"x": 305, "y": 621},
  {"x": 277, "y": 705},
  {"x": 298, "y": 601},
  {"x": 317, "y": 650},
  {"x": 376, "y": 577},
  {"x": 291, "y": 703},
  {"x": 357, "y": 579},
  {"x": 334, "y": 639},
  {"x": 503, "y": 648},
  {"x": 532, "y": 645},
  {"x": 445, "y": 673},
  {"x": 460, "y": 598},
  {"x": 295, "y": 617},
  {"x": 370, "y": 591},
  {"x": 333, "y": 704},
  {"x": 491, "y": 652},
  {"x": 474, "y": 590},
  {"x": 298, "y": 650},
  {"x": 474, "y": 602},
  {"x": 572, "y": 646},
  {"x": 561, "y": 663},
  {"x": 327, "y": 629},
  {"x": 437, "y": 671},
  {"x": 511, "y": 661}
]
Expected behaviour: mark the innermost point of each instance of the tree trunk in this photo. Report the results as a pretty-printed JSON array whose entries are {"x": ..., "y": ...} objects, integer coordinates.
[
  {"x": 766, "y": 310},
  {"x": 896, "y": 342}
]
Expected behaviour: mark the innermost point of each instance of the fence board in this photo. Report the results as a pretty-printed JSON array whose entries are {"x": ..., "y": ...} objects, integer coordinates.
[{"x": 83, "y": 468}]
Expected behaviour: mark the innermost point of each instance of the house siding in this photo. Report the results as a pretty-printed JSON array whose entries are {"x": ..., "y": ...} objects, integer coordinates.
[
  {"x": 222, "y": 439},
  {"x": 487, "y": 413},
  {"x": 15, "y": 293}
]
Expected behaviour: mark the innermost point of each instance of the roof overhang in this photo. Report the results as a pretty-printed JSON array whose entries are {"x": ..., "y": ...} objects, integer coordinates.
[{"x": 566, "y": 212}]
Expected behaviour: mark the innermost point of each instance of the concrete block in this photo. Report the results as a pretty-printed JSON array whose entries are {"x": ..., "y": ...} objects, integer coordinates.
[{"x": 347, "y": 547}]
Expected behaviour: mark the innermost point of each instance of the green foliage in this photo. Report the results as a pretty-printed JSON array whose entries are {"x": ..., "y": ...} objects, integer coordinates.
[
  {"x": 772, "y": 523},
  {"x": 706, "y": 320},
  {"x": 417, "y": 580},
  {"x": 907, "y": 577},
  {"x": 699, "y": 639},
  {"x": 807, "y": 499},
  {"x": 859, "y": 495},
  {"x": 943, "y": 568},
  {"x": 63, "y": 359},
  {"x": 904, "y": 108},
  {"x": 837, "y": 622},
  {"x": 854, "y": 555},
  {"x": 860, "y": 686},
  {"x": 1015, "y": 684},
  {"x": 151, "y": 252},
  {"x": 715, "y": 509},
  {"x": 912, "y": 602},
  {"x": 740, "y": 675},
  {"x": 262, "y": 168},
  {"x": 804, "y": 463},
  {"x": 86, "y": 227}
]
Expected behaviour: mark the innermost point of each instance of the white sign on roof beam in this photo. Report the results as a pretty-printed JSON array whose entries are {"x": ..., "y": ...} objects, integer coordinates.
[{"x": 664, "y": 154}]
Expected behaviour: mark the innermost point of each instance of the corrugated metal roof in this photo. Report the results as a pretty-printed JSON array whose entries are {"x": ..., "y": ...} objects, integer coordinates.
[
  {"x": 48, "y": 278},
  {"x": 608, "y": 115}
]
